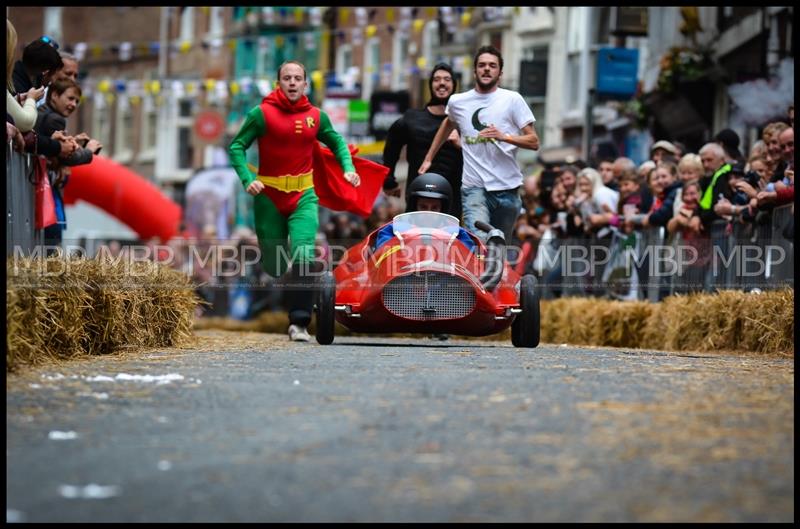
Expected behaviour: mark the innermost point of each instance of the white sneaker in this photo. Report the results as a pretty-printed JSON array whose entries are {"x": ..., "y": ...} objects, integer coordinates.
[{"x": 298, "y": 333}]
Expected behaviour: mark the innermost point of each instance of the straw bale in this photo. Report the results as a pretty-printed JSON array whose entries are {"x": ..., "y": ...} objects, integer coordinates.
[{"x": 59, "y": 308}]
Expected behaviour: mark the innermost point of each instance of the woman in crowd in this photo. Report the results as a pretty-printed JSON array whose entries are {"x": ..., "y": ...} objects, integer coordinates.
[{"x": 692, "y": 242}]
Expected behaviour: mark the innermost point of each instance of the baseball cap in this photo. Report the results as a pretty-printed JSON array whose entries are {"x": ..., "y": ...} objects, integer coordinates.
[{"x": 664, "y": 144}]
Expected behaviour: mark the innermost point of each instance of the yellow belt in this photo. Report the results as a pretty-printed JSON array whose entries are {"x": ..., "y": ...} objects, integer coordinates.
[{"x": 288, "y": 182}]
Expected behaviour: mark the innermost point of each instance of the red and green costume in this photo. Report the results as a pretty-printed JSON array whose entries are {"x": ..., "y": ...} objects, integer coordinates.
[{"x": 291, "y": 165}]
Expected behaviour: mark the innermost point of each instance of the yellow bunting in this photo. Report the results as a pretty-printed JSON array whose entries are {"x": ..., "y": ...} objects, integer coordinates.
[
  {"x": 422, "y": 62},
  {"x": 159, "y": 100},
  {"x": 316, "y": 76},
  {"x": 155, "y": 86},
  {"x": 232, "y": 44},
  {"x": 110, "y": 98},
  {"x": 205, "y": 9},
  {"x": 279, "y": 41},
  {"x": 418, "y": 24},
  {"x": 97, "y": 50},
  {"x": 210, "y": 84},
  {"x": 185, "y": 46},
  {"x": 430, "y": 11},
  {"x": 344, "y": 14},
  {"x": 191, "y": 88},
  {"x": 466, "y": 17},
  {"x": 104, "y": 86},
  {"x": 298, "y": 15},
  {"x": 371, "y": 30},
  {"x": 234, "y": 87},
  {"x": 135, "y": 100},
  {"x": 390, "y": 15}
]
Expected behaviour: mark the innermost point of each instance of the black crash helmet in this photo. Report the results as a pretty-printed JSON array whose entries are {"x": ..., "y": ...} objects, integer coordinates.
[{"x": 430, "y": 185}]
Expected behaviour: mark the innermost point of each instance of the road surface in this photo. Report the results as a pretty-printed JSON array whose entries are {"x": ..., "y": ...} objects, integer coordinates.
[{"x": 251, "y": 427}]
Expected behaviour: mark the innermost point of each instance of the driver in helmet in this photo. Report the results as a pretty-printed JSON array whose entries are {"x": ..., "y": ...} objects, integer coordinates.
[{"x": 428, "y": 192}]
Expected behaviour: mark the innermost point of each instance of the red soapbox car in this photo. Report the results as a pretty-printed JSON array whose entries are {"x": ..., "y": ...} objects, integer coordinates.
[{"x": 422, "y": 273}]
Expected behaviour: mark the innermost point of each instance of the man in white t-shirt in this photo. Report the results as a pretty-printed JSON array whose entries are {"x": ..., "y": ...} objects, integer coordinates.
[{"x": 493, "y": 123}]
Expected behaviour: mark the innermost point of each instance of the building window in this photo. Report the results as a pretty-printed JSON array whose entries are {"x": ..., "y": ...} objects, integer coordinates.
[
  {"x": 149, "y": 130},
  {"x": 184, "y": 123},
  {"x": 372, "y": 61},
  {"x": 575, "y": 40},
  {"x": 431, "y": 43},
  {"x": 101, "y": 121},
  {"x": 187, "y": 24},
  {"x": 399, "y": 61},
  {"x": 344, "y": 60},
  {"x": 496, "y": 40},
  {"x": 216, "y": 19},
  {"x": 123, "y": 145},
  {"x": 52, "y": 23}
]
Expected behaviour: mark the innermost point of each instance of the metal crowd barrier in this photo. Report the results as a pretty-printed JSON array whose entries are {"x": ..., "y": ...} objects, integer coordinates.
[
  {"x": 648, "y": 265},
  {"x": 21, "y": 233},
  {"x": 780, "y": 272}
]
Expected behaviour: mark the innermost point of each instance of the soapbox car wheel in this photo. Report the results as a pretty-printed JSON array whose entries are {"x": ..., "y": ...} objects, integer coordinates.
[
  {"x": 325, "y": 309},
  {"x": 526, "y": 326}
]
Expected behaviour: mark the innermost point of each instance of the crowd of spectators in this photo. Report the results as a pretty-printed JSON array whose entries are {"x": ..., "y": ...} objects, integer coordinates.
[
  {"x": 42, "y": 92},
  {"x": 690, "y": 198},
  {"x": 699, "y": 199}
]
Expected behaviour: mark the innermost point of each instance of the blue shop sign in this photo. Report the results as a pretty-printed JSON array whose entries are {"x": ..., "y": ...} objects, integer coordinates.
[{"x": 617, "y": 71}]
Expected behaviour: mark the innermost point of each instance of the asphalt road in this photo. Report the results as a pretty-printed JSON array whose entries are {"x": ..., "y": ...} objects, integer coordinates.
[{"x": 248, "y": 427}]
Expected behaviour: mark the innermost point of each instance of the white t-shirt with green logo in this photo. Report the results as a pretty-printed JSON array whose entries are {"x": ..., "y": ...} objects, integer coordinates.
[{"x": 488, "y": 163}]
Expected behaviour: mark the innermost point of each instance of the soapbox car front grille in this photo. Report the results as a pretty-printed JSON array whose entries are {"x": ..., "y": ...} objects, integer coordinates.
[{"x": 430, "y": 295}]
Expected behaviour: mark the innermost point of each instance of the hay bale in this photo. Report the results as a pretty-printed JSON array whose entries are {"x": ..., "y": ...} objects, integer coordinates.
[
  {"x": 59, "y": 308},
  {"x": 729, "y": 321}
]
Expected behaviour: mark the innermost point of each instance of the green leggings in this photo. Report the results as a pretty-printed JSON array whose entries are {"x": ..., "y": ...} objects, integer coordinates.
[{"x": 272, "y": 229}]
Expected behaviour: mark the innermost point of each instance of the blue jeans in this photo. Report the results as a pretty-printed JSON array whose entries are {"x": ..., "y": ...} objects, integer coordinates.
[{"x": 498, "y": 208}]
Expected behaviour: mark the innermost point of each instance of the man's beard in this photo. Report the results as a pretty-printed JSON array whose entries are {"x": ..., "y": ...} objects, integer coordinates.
[
  {"x": 489, "y": 85},
  {"x": 436, "y": 100}
]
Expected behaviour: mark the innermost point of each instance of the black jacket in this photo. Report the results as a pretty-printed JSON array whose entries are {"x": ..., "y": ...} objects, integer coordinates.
[
  {"x": 415, "y": 130},
  {"x": 50, "y": 121}
]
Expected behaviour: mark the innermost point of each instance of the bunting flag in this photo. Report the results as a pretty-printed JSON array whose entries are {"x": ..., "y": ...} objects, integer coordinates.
[
  {"x": 305, "y": 39},
  {"x": 410, "y": 19}
]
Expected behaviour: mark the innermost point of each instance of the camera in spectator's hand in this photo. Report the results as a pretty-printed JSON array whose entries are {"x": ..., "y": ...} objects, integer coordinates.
[{"x": 752, "y": 178}]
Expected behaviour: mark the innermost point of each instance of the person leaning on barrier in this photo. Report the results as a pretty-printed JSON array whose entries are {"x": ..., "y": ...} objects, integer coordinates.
[
  {"x": 771, "y": 135},
  {"x": 686, "y": 219},
  {"x": 40, "y": 59},
  {"x": 714, "y": 183},
  {"x": 23, "y": 117}
]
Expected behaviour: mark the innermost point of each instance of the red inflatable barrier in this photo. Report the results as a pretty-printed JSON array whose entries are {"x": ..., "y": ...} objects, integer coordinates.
[{"x": 127, "y": 196}]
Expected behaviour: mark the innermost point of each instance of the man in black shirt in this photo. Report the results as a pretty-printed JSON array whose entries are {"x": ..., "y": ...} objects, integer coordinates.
[{"x": 416, "y": 130}]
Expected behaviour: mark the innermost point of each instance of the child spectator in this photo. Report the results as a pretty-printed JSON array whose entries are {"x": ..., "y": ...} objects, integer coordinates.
[
  {"x": 62, "y": 99},
  {"x": 690, "y": 167},
  {"x": 664, "y": 184},
  {"x": 632, "y": 202}
]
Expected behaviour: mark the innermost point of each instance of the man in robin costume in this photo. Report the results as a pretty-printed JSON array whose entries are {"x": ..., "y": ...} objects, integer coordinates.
[{"x": 287, "y": 127}]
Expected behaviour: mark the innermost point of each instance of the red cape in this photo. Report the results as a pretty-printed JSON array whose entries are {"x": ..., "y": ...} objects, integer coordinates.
[{"x": 338, "y": 194}]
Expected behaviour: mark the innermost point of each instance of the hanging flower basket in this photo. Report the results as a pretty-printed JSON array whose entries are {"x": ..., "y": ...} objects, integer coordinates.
[{"x": 681, "y": 65}]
